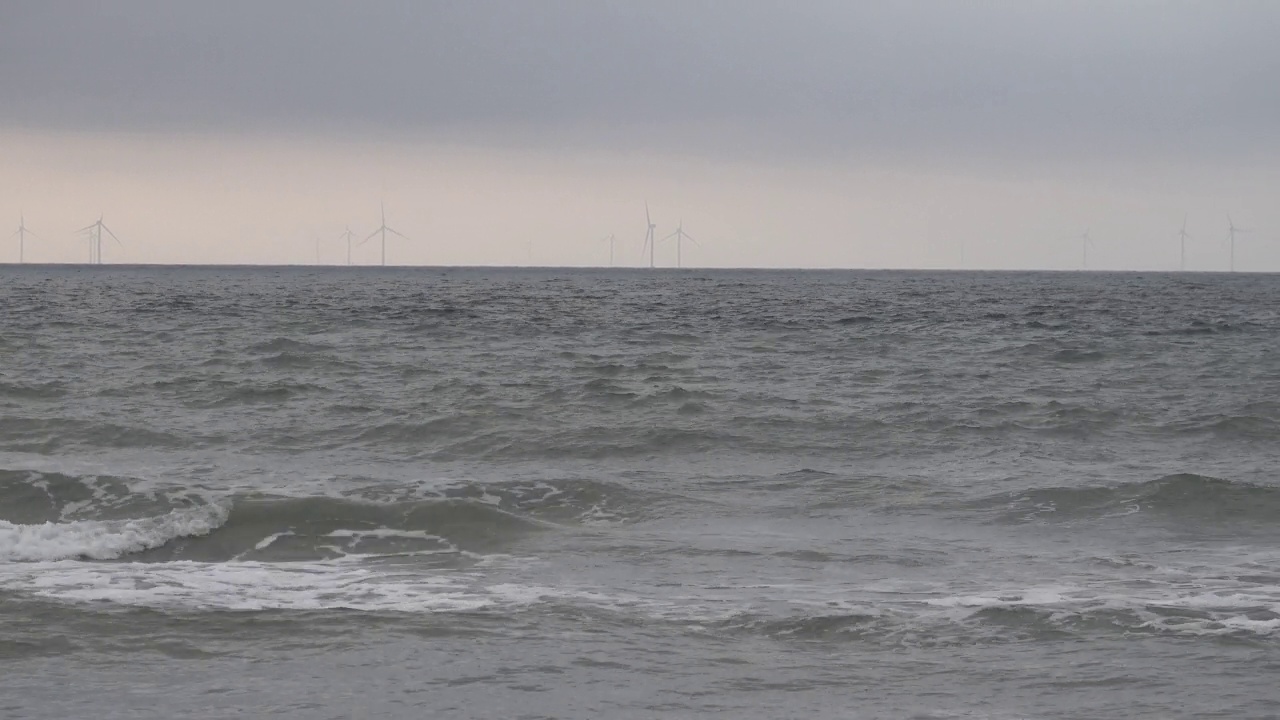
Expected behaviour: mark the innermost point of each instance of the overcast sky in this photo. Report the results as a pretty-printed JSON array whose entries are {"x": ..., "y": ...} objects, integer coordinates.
[{"x": 817, "y": 133}]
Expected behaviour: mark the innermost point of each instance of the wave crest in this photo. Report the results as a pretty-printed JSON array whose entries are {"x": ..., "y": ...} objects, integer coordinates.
[
  {"x": 105, "y": 539},
  {"x": 1184, "y": 495}
]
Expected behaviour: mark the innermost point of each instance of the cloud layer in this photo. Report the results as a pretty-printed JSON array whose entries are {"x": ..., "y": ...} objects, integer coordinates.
[{"x": 920, "y": 78}]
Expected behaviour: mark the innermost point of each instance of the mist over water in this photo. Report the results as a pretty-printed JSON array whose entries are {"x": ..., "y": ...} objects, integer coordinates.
[{"x": 581, "y": 494}]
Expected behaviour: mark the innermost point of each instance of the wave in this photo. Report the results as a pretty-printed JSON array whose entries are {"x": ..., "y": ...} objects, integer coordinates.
[
  {"x": 590, "y": 443},
  {"x": 272, "y": 530},
  {"x": 1077, "y": 356},
  {"x": 1245, "y": 427},
  {"x": 105, "y": 539},
  {"x": 1198, "y": 327},
  {"x": 283, "y": 345},
  {"x": 944, "y": 616},
  {"x": 856, "y": 320},
  {"x": 1184, "y": 496},
  {"x": 1235, "y": 609},
  {"x": 47, "y": 435},
  {"x": 837, "y": 626},
  {"x": 51, "y": 516},
  {"x": 263, "y": 393},
  {"x": 33, "y": 391}
]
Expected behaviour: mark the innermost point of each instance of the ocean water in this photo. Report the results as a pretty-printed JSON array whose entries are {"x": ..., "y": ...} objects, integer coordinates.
[{"x": 472, "y": 493}]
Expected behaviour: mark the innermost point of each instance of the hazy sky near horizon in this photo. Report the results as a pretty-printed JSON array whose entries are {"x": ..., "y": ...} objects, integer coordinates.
[{"x": 818, "y": 133}]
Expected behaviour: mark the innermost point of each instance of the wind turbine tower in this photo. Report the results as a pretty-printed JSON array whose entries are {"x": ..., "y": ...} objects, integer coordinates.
[
  {"x": 383, "y": 230},
  {"x": 1231, "y": 237},
  {"x": 95, "y": 240},
  {"x": 1182, "y": 238},
  {"x": 649, "y": 242},
  {"x": 1085, "y": 242},
  {"x": 348, "y": 236},
  {"x": 680, "y": 235},
  {"x": 22, "y": 234},
  {"x": 613, "y": 241}
]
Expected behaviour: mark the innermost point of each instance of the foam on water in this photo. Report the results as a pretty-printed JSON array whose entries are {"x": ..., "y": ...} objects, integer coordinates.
[
  {"x": 105, "y": 539},
  {"x": 887, "y": 612},
  {"x": 343, "y": 584}
]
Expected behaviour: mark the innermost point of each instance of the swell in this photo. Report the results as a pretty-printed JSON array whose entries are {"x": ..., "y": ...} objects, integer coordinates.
[
  {"x": 48, "y": 435},
  {"x": 325, "y": 528},
  {"x": 1184, "y": 496},
  {"x": 49, "y": 516}
]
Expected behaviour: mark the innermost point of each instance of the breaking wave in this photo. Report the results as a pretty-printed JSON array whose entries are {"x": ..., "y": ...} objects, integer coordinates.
[{"x": 105, "y": 539}]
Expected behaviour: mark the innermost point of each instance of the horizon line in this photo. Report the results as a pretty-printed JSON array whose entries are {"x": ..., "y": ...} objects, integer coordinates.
[{"x": 626, "y": 268}]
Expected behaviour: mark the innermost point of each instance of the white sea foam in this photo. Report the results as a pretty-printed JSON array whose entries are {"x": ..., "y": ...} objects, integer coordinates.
[
  {"x": 388, "y": 533},
  {"x": 251, "y": 585},
  {"x": 105, "y": 539},
  {"x": 1212, "y": 606}
]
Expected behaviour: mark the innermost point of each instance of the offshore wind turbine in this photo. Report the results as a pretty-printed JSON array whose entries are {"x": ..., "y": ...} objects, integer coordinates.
[
  {"x": 680, "y": 235},
  {"x": 22, "y": 234},
  {"x": 383, "y": 230},
  {"x": 1182, "y": 238},
  {"x": 95, "y": 239},
  {"x": 649, "y": 241},
  {"x": 348, "y": 236},
  {"x": 613, "y": 241},
  {"x": 1231, "y": 237},
  {"x": 1085, "y": 243}
]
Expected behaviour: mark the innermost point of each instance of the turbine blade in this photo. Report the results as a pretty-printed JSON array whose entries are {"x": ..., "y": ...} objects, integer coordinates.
[
  {"x": 648, "y": 220},
  {"x": 104, "y": 227},
  {"x": 673, "y": 234},
  {"x": 690, "y": 237},
  {"x": 397, "y": 232},
  {"x": 88, "y": 227},
  {"x": 373, "y": 235}
]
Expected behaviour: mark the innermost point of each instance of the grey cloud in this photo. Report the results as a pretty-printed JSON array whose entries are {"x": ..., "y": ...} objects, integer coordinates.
[{"x": 1158, "y": 78}]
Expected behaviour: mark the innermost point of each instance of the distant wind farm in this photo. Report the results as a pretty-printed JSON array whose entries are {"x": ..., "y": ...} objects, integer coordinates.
[{"x": 99, "y": 235}]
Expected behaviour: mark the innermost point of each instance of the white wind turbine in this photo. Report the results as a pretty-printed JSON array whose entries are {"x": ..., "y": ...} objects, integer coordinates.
[
  {"x": 22, "y": 234},
  {"x": 383, "y": 230},
  {"x": 613, "y": 241},
  {"x": 680, "y": 235},
  {"x": 649, "y": 241},
  {"x": 1085, "y": 243},
  {"x": 1183, "y": 235},
  {"x": 95, "y": 239},
  {"x": 348, "y": 235},
  {"x": 1231, "y": 238}
]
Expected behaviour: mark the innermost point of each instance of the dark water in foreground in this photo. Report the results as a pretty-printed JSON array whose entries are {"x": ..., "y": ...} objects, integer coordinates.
[{"x": 577, "y": 494}]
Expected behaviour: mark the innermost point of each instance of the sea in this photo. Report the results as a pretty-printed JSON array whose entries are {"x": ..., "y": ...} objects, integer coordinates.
[{"x": 232, "y": 492}]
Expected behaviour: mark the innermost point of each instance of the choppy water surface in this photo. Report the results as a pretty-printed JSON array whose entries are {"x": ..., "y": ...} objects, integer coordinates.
[{"x": 586, "y": 494}]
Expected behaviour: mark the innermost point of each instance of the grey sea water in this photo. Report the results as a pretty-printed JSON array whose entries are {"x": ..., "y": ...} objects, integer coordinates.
[{"x": 233, "y": 492}]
